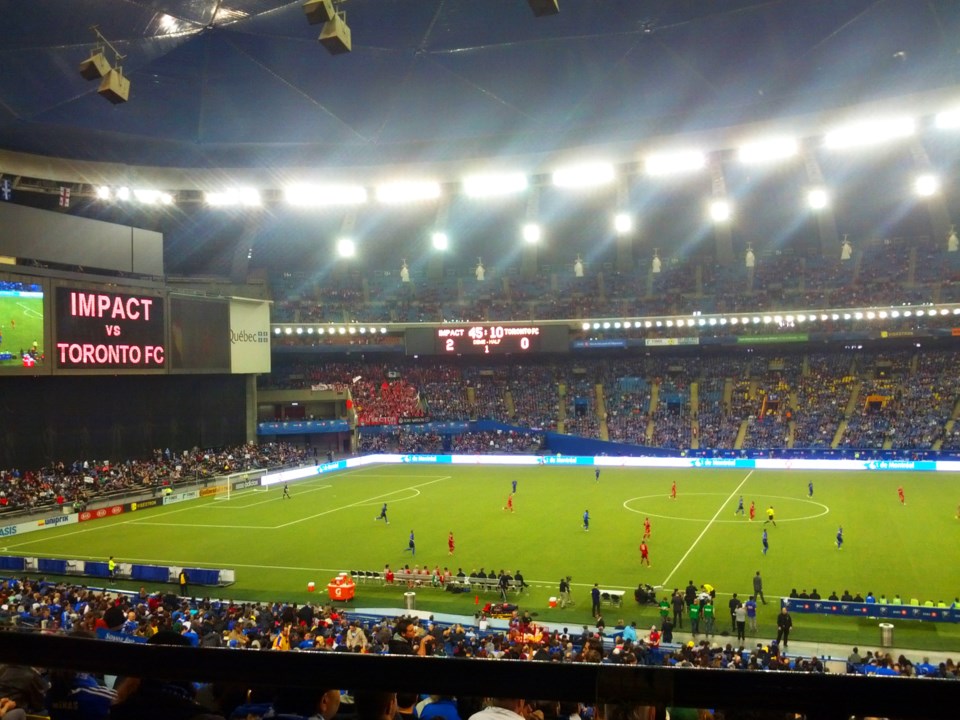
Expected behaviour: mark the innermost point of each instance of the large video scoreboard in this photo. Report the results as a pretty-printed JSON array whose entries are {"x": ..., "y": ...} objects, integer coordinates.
[{"x": 53, "y": 325}]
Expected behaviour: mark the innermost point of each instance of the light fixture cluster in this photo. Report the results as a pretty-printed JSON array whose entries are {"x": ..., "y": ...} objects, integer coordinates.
[
  {"x": 334, "y": 331},
  {"x": 113, "y": 85},
  {"x": 144, "y": 196},
  {"x": 780, "y": 319}
]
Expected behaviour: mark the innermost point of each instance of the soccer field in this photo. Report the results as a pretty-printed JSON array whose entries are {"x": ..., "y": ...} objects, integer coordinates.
[{"x": 278, "y": 545}]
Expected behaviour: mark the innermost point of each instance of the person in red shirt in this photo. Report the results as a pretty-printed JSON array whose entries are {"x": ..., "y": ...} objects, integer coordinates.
[
  {"x": 753, "y": 510},
  {"x": 644, "y": 553},
  {"x": 450, "y": 543},
  {"x": 654, "y": 637},
  {"x": 903, "y": 500},
  {"x": 673, "y": 490},
  {"x": 509, "y": 502},
  {"x": 646, "y": 528}
]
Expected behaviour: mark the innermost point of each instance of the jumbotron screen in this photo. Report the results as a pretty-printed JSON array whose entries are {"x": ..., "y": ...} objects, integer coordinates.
[
  {"x": 100, "y": 330},
  {"x": 21, "y": 324}
]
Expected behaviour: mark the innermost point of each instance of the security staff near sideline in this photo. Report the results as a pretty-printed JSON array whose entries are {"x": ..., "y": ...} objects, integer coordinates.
[
  {"x": 111, "y": 566},
  {"x": 183, "y": 578}
]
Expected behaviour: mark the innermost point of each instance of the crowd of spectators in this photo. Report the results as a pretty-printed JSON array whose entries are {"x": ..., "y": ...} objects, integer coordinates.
[
  {"x": 879, "y": 272},
  {"x": 83, "y": 481},
  {"x": 164, "y": 618},
  {"x": 904, "y": 399}
]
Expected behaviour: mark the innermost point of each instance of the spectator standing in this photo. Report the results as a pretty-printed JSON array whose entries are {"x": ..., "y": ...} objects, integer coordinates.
[
  {"x": 740, "y": 617},
  {"x": 184, "y": 579},
  {"x": 784, "y": 624},
  {"x": 595, "y": 598},
  {"x": 733, "y": 605},
  {"x": 758, "y": 588}
]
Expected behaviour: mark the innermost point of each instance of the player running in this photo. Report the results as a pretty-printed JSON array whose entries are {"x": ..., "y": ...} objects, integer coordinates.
[
  {"x": 840, "y": 538},
  {"x": 646, "y": 528},
  {"x": 382, "y": 515},
  {"x": 753, "y": 510},
  {"x": 411, "y": 545},
  {"x": 739, "y": 510},
  {"x": 286, "y": 492},
  {"x": 903, "y": 500},
  {"x": 509, "y": 505},
  {"x": 586, "y": 520},
  {"x": 596, "y": 475},
  {"x": 644, "y": 553}
]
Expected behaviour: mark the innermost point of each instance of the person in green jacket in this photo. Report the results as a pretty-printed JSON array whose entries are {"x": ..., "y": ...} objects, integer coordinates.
[
  {"x": 707, "y": 612},
  {"x": 694, "y": 613}
]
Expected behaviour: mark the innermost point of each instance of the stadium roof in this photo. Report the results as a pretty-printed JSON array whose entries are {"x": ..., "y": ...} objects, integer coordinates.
[{"x": 244, "y": 83}]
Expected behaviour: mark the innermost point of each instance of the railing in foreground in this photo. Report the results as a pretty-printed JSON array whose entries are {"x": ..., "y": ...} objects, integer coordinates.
[{"x": 817, "y": 696}]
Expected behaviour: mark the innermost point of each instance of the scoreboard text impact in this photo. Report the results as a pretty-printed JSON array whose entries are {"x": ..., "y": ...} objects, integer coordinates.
[
  {"x": 487, "y": 339},
  {"x": 109, "y": 330}
]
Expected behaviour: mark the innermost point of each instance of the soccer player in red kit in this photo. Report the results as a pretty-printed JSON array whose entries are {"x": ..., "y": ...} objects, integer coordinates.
[
  {"x": 903, "y": 500},
  {"x": 509, "y": 502},
  {"x": 644, "y": 553},
  {"x": 673, "y": 490},
  {"x": 646, "y": 528},
  {"x": 753, "y": 510},
  {"x": 450, "y": 543}
]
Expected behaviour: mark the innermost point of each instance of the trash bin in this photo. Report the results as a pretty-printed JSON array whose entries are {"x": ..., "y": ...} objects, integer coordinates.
[
  {"x": 410, "y": 601},
  {"x": 886, "y": 635}
]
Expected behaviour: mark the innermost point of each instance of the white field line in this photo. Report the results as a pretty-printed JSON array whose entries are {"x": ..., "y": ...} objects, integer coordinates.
[{"x": 704, "y": 531}]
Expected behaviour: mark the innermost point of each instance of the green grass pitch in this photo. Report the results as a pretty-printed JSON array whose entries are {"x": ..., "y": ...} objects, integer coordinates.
[
  {"x": 277, "y": 546},
  {"x": 21, "y": 323}
]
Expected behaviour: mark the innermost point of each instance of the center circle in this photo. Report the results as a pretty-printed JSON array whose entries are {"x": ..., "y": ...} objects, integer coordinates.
[{"x": 627, "y": 504}]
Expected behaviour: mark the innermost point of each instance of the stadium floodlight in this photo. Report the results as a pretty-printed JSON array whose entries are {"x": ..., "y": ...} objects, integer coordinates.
[
  {"x": 346, "y": 248},
  {"x": 623, "y": 223},
  {"x": 768, "y": 150},
  {"x": 440, "y": 241},
  {"x": 532, "y": 233},
  {"x": 947, "y": 120},
  {"x": 246, "y": 197},
  {"x": 586, "y": 175},
  {"x": 585, "y": 326},
  {"x": 869, "y": 133},
  {"x": 276, "y": 331},
  {"x": 103, "y": 192},
  {"x": 674, "y": 163},
  {"x": 288, "y": 331},
  {"x": 309, "y": 195},
  {"x": 152, "y": 197},
  {"x": 926, "y": 185},
  {"x": 818, "y": 198},
  {"x": 495, "y": 184},
  {"x": 299, "y": 331},
  {"x": 123, "y": 193},
  {"x": 408, "y": 191},
  {"x": 720, "y": 211}
]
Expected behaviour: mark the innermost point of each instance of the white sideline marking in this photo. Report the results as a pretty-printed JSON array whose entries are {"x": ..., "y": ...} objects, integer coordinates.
[{"x": 704, "y": 531}]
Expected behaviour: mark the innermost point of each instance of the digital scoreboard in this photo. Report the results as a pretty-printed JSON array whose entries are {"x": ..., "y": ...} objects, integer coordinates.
[
  {"x": 99, "y": 330},
  {"x": 487, "y": 339}
]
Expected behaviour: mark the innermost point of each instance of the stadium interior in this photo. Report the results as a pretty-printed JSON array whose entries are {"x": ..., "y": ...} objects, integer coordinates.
[{"x": 657, "y": 229}]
